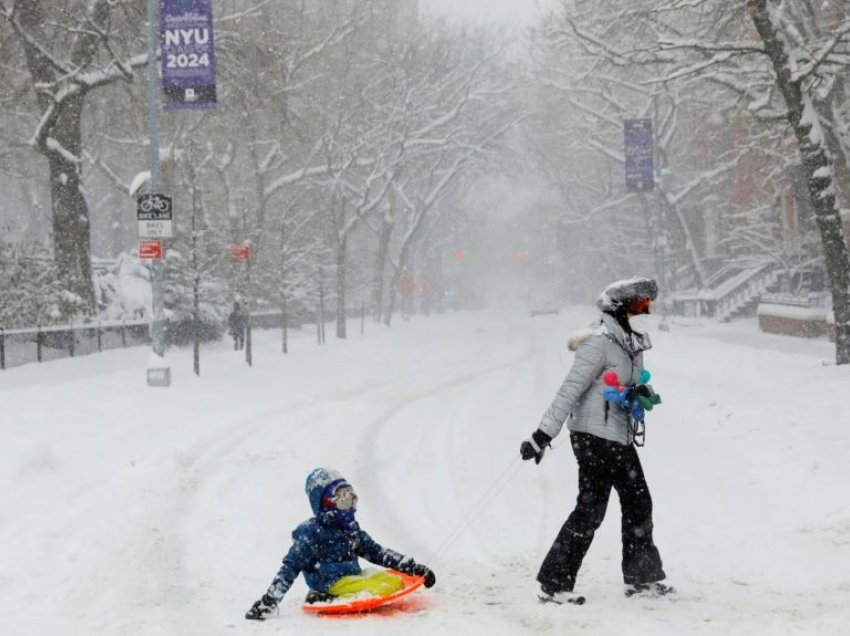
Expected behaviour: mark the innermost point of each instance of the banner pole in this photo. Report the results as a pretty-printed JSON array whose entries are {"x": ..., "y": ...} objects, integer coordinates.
[{"x": 158, "y": 372}]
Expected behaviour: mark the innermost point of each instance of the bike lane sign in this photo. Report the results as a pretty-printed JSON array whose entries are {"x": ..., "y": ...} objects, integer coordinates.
[{"x": 154, "y": 212}]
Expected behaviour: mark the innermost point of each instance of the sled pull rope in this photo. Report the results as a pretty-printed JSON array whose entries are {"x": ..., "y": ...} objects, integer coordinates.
[{"x": 489, "y": 495}]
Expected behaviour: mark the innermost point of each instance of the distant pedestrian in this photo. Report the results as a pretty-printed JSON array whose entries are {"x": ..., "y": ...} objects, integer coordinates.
[{"x": 237, "y": 322}]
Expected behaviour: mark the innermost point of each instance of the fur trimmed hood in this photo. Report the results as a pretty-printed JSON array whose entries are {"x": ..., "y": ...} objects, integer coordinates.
[{"x": 578, "y": 338}]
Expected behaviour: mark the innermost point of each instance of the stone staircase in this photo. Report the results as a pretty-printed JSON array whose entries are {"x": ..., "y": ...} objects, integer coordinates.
[
  {"x": 730, "y": 293},
  {"x": 740, "y": 295}
]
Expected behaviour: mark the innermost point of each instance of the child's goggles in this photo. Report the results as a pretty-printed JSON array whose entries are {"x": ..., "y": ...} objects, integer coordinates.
[{"x": 343, "y": 498}]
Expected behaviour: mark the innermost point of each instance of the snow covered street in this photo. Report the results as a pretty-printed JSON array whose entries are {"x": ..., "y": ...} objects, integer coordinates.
[{"x": 132, "y": 510}]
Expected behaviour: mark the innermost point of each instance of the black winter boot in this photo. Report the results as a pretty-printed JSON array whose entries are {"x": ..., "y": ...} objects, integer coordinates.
[
  {"x": 653, "y": 589},
  {"x": 549, "y": 595}
]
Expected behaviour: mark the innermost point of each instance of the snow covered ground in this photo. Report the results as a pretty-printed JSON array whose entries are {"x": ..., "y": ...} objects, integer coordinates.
[{"x": 132, "y": 510}]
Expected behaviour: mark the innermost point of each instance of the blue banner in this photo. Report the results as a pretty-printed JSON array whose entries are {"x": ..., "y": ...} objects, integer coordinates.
[
  {"x": 188, "y": 54},
  {"x": 640, "y": 163}
]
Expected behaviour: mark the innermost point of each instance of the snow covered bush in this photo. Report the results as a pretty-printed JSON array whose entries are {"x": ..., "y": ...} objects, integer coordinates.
[{"x": 31, "y": 293}]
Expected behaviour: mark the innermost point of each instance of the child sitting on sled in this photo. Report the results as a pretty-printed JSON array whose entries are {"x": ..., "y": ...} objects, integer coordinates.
[{"x": 325, "y": 549}]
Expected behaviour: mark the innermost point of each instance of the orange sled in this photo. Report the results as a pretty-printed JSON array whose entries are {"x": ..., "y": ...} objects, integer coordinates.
[{"x": 356, "y": 605}]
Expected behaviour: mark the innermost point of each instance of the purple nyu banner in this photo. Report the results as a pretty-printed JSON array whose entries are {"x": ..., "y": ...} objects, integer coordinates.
[
  {"x": 188, "y": 53},
  {"x": 640, "y": 148}
]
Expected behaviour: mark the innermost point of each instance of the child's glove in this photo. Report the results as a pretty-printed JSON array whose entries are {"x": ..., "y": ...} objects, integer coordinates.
[
  {"x": 535, "y": 446},
  {"x": 261, "y": 608},
  {"x": 419, "y": 569},
  {"x": 425, "y": 572}
]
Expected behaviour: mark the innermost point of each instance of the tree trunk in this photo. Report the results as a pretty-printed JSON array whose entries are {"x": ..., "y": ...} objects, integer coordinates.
[
  {"x": 320, "y": 319},
  {"x": 835, "y": 112},
  {"x": 819, "y": 167},
  {"x": 429, "y": 275},
  {"x": 283, "y": 304},
  {"x": 341, "y": 271},
  {"x": 59, "y": 140},
  {"x": 387, "y": 226},
  {"x": 196, "y": 277},
  {"x": 284, "y": 317},
  {"x": 395, "y": 282},
  {"x": 71, "y": 231},
  {"x": 408, "y": 290},
  {"x": 388, "y": 316}
]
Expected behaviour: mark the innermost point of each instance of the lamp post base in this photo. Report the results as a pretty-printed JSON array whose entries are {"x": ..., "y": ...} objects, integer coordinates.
[{"x": 160, "y": 376}]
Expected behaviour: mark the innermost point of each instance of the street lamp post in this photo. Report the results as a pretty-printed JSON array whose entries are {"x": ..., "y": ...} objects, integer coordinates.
[{"x": 159, "y": 374}]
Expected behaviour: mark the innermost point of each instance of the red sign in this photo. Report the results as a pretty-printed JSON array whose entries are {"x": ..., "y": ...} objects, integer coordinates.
[
  {"x": 406, "y": 284},
  {"x": 240, "y": 252},
  {"x": 150, "y": 250}
]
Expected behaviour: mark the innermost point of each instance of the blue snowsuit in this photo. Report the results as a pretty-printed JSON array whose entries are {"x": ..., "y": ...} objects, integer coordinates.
[{"x": 324, "y": 550}]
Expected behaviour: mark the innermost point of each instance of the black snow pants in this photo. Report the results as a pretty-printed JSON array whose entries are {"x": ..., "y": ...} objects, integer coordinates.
[{"x": 603, "y": 464}]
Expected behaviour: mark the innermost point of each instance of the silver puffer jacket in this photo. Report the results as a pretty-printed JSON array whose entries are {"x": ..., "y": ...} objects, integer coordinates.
[{"x": 605, "y": 348}]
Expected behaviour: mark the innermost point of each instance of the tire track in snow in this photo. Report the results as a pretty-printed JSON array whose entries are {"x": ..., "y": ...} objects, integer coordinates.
[{"x": 381, "y": 428}]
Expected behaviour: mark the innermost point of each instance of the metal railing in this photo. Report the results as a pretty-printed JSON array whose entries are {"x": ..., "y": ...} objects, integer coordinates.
[
  {"x": 17, "y": 346},
  {"x": 42, "y": 344}
]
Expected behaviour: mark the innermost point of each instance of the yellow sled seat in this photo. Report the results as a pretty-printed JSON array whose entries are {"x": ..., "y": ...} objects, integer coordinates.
[{"x": 380, "y": 584}]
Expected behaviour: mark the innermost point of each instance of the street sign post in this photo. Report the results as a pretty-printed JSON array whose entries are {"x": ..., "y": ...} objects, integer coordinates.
[
  {"x": 639, "y": 155},
  {"x": 155, "y": 216},
  {"x": 159, "y": 373}
]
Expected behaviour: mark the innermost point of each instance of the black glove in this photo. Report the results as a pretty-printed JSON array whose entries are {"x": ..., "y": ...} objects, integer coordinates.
[
  {"x": 261, "y": 608},
  {"x": 417, "y": 569},
  {"x": 535, "y": 446}
]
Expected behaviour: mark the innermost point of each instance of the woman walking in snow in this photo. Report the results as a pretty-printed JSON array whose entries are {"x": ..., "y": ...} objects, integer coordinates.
[{"x": 602, "y": 435}]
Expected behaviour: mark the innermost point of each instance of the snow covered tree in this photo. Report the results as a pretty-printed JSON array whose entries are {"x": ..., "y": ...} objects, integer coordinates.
[
  {"x": 71, "y": 51},
  {"x": 740, "y": 85},
  {"x": 591, "y": 72},
  {"x": 195, "y": 291},
  {"x": 453, "y": 110},
  {"x": 799, "y": 73},
  {"x": 31, "y": 291}
]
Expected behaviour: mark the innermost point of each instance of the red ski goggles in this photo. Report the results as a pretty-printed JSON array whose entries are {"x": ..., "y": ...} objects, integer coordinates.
[{"x": 343, "y": 498}]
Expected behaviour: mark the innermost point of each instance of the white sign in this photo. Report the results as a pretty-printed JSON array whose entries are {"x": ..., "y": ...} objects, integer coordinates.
[
  {"x": 155, "y": 216},
  {"x": 156, "y": 229}
]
